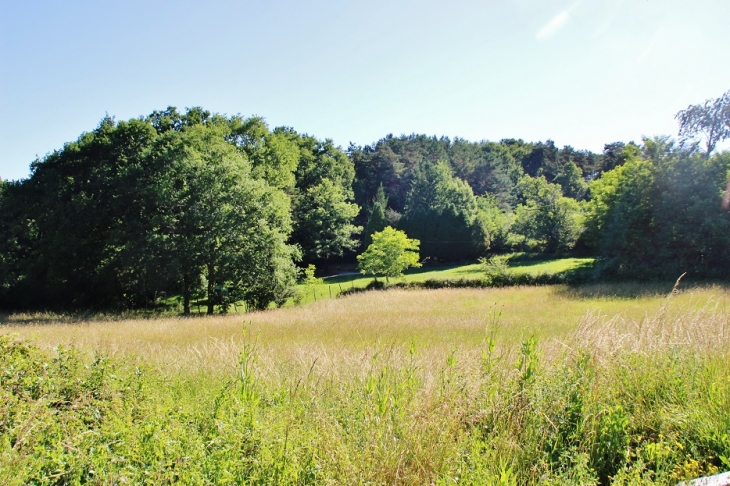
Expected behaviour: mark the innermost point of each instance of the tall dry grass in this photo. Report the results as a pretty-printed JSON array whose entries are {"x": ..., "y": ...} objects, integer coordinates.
[
  {"x": 341, "y": 331},
  {"x": 526, "y": 385}
]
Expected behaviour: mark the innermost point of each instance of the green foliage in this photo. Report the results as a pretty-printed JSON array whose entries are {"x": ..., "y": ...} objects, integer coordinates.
[
  {"x": 570, "y": 179},
  {"x": 661, "y": 215},
  {"x": 488, "y": 167},
  {"x": 443, "y": 213},
  {"x": 710, "y": 120},
  {"x": 323, "y": 211},
  {"x": 324, "y": 224},
  {"x": 495, "y": 268},
  {"x": 309, "y": 278},
  {"x": 273, "y": 156},
  {"x": 377, "y": 220},
  {"x": 184, "y": 203},
  {"x": 217, "y": 221},
  {"x": 389, "y": 254},
  {"x": 495, "y": 222},
  {"x": 75, "y": 225},
  {"x": 179, "y": 203},
  {"x": 310, "y": 281},
  {"x": 546, "y": 221}
]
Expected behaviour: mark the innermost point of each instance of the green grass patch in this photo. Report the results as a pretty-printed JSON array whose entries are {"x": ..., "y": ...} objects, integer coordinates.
[
  {"x": 333, "y": 286},
  {"x": 555, "y": 266}
]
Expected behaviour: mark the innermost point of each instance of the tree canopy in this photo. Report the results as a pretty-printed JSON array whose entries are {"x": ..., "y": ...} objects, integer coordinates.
[
  {"x": 180, "y": 203},
  {"x": 661, "y": 214},
  {"x": 443, "y": 213},
  {"x": 546, "y": 220}
]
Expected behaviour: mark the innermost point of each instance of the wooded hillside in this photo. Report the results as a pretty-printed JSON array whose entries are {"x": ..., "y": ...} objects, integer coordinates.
[{"x": 194, "y": 203}]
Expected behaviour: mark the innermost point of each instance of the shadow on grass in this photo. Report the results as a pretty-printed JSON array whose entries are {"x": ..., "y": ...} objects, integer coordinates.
[
  {"x": 46, "y": 318},
  {"x": 632, "y": 289},
  {"x": 351, "y": 276}
]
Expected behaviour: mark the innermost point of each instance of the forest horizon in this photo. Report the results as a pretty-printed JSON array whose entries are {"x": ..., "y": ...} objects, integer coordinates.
[{"x": 196, "y": 201}]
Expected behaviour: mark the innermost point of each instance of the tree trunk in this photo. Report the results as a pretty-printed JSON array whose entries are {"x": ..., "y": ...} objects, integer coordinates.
[
  {"x": 211, "y": 287},
  {"x": 186, "y": 294}
]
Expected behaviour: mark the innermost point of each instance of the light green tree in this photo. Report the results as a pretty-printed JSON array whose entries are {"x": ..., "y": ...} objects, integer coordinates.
[
  {"x": 310, "y": 281},
  {"x": 390, "y": 253}
]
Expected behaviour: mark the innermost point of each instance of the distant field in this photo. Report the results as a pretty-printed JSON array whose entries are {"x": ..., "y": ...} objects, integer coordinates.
[{"x": 334, "y": 285}]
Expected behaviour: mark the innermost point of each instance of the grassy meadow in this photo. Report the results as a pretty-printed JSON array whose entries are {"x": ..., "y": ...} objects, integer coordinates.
[
  {"x": 335, "y": 285},
  {"x": 596, "y": 384}
]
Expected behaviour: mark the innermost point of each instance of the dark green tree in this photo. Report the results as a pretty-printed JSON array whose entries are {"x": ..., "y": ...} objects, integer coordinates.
[
  {"x": 79, "y": 214},
  {"x": 377, "y": 220},
  {"x": 570, "y": 179},
  {"x": 325, "y": 222},
  {"x": 137, "y": 207},
  {"x": 323, "y": 209},
  {"x": 219, "y": 223},
  {"x": 443, "y": 213},
  {"x": 660, "y": 214}
]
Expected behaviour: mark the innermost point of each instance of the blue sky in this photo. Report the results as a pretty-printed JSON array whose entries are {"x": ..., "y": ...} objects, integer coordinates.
[{"x": 582, "y": 73}]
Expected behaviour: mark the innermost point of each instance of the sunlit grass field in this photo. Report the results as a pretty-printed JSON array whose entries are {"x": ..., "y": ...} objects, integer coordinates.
[
  {"x": 443, "y": 319},
  {"x": 333, "y": 286},
  {"x": 604, "y": 383}
]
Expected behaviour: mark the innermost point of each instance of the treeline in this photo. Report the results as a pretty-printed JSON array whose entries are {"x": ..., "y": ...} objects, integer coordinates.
[
  {"x": 177, "y": 203},
  {"x": 461, "y": 198},
  {"x": 224, "y": 208},
  {"x": 646, "y": 211}
]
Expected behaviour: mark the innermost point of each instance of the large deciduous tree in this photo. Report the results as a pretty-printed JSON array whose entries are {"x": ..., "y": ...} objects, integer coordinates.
[
  {"x": 136, "y": 207},
  {"x": 76, "y": 221},
  {"x": 660, "y": 214},
  {"x": 323, "y": 208},
  {"x": 217, "y": 222},
  {"x": 324, "y": 221}
]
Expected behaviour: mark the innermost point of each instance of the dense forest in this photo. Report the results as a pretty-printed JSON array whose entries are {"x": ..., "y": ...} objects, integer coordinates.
[{"x": 191, "y": 203}]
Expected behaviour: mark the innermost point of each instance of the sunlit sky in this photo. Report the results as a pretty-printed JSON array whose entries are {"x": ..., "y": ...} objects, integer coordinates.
[{"x": 582, "y": 73}]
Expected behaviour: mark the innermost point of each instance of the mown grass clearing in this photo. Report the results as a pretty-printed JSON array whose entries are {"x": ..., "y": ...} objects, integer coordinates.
[
  {"x": 333, "y": 286},
  {"x": 549, "y": 385}
]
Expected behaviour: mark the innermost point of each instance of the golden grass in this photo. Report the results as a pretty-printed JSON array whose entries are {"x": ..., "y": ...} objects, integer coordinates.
[
  {"x": 345, "y": 333},
  {"x": 393, "y": 387}
]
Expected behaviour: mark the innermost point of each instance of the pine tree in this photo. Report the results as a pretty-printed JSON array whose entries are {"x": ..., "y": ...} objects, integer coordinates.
[{"x": 377, "y": 220}]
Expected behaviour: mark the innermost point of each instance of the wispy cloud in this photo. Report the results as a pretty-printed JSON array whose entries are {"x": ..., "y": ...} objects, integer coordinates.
[{"x": 557, "y": 23}]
